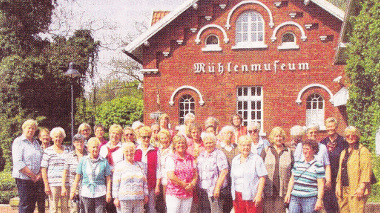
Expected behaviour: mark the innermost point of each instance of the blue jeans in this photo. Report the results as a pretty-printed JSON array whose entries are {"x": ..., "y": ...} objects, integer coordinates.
[
  {"x": 302, "y": 204},
  {"x": 29, "y": 193}
]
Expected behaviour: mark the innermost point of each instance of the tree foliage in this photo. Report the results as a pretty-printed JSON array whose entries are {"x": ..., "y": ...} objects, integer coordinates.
[
  {"x": 116, "y": 89},
  {"x": 363, "y": 70},
  {"x": 121, "y": 97},
  {"x": 122, "y": 111},
  {"x": 32, "y": 83}
]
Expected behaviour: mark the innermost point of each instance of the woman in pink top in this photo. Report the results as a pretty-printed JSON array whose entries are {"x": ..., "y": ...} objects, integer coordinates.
[{"x": 182, "y": 177}]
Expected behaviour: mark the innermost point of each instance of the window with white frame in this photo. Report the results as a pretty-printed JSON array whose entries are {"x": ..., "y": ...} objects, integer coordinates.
[
  {"x": 250, "y": 104},
  {"x": 186, "y": 105},
  {"x": 288, "y": 41},
  {"x": 212, "y": 43},
  {"x": 315, "y": 110},
  {"x": 249, "y": 30}
]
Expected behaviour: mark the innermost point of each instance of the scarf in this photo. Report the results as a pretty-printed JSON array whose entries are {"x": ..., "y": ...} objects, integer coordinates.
[{"x": 109, "y": 155}]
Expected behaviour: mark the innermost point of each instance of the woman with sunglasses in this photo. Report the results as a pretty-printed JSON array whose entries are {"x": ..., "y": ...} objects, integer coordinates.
[
  {"x": 258, "y": 143},
  {"x": 354, "y": 176},
  {"x": 129, "y": 135},
  {"x": 150, "y": 155}
]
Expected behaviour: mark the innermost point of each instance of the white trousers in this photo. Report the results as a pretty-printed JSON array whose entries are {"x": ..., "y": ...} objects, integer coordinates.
[{"x": 177, "y": 205}]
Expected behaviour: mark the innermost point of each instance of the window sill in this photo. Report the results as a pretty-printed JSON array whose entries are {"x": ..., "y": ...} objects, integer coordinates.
[
  {"x": 285, "y": 46},
  {"x": 212, "y": 49},
  {"x": 249, "y": 46}
]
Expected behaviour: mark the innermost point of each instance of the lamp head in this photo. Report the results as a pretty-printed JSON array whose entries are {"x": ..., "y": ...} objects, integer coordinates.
[{"x": 71, "y": 72}]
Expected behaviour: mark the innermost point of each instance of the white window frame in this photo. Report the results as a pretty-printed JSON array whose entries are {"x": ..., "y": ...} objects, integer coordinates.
[
  {"x": 249, "y": 43},
  {"x": 315, "y": 110},
  {"x": 212, "y": 47},
  {"x": 288, "y": 45},
  {"x": 188, "y": 103},
  {"x": 246, "y": 96}
]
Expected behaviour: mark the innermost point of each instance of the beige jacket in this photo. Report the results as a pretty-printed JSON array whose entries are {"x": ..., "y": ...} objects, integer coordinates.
[{"x": 359, "y": 169}]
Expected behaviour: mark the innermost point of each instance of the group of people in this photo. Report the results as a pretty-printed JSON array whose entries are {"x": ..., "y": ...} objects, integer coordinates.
[{"x": 191, "y": 169}]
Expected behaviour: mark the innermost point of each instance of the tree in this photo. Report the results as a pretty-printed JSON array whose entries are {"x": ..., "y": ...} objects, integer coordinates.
[
  {"x": 32, "y": 83},
  {"x": 122, "y": 111},
  {"x": 363, "y": 70}
]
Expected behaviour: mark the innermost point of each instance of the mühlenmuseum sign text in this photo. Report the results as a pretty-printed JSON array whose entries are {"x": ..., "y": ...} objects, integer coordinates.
[{"x": 231, "y": 67}]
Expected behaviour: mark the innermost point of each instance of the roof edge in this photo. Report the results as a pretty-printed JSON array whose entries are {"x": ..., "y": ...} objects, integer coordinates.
[
  {"x": 136, "y": 43},
  {"x": 158, "y": 26},
  {"x": 331, "y": 8}
]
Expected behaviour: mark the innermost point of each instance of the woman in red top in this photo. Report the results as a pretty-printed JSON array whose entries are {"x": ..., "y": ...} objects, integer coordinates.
[{"x": 148, "y": 154}]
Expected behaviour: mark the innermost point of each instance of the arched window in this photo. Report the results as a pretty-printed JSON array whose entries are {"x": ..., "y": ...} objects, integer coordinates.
[
  {"x": 212, "y": 43},
  {"x": 212, "y": 40},
  {"x": 250, "y": 30},
  {"x": 315, "y": 110},
  {"x": 288, "y": 38},
  {"x": 186, "y": 105},
  {"x": 288, "y": 41}
]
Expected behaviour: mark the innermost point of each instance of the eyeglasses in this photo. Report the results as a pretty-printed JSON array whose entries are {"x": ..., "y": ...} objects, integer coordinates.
[
  {"x": 351, "y": 136},
  {"x": 145, "y": 137},
  {"x": 253, "y": 131},
  {"x": 130, "y": 134}
]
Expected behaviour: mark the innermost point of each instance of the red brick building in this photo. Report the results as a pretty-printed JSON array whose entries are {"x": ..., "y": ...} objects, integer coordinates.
[{"x": 271, "y": 61}]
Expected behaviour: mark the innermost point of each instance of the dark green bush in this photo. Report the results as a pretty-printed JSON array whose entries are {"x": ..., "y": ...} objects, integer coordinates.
[
  {"x": 7, "y": 182},
  {"x": 375, "y": 188},
  {"x": 5, "y": 196},
  {"x": 8, "y": 188}
]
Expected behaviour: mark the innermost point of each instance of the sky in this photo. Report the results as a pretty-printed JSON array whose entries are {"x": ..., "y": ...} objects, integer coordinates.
[{"x": 113, "y": 22}]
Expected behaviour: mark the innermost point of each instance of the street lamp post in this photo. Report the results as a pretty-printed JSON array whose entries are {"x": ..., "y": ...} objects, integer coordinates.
[{"x": 72, "y": 73}]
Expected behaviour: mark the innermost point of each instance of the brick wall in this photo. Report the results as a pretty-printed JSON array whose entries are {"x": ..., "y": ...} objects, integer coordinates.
[{"x": 280, "y": 88}]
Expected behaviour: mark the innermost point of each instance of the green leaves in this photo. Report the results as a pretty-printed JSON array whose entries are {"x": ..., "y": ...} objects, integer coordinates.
[
  {"x": 122, "y": 111},
  {"x": 363, "y": 70},
  {"x": 32, "y": 84}
]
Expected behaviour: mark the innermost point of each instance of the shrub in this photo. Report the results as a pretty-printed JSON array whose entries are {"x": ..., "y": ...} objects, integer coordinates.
[
  {"x": 375, "y": 188},
  {"x": 8, "y": 188}
]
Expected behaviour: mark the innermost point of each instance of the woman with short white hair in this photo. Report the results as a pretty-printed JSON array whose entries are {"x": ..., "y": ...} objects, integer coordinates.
[
  {"x": 129, "y": 185},
  {"x": 258, "y": 143},
  {"x": 52, "y": 167},
  {"x": 85, "y": 130},
  {"x": 226, "y": 145},
  {"x": 26, "y": 156},
  {"x": 94, "y": 175},
  {"x": 212, "y": 169},
  {"x": 184, "y": 129},
  {"x": 296, "y": 132},
  {"x": 248, "y": 174}
]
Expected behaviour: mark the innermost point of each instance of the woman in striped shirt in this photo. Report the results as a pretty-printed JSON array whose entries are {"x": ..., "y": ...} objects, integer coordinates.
[
  {"x": 305, "y": 189},
  {"x": 130, "y": 186}
]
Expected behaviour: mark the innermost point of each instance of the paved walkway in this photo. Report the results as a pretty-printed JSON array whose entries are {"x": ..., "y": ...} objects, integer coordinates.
[{"x": 5, "y": 208}]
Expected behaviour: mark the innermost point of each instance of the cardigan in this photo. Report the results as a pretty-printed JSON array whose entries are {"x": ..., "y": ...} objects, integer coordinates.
[
  {"x": 281, "y": 164},
  {"x": 152, "y": 165},
  {"x": 359, "y": 169}
]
